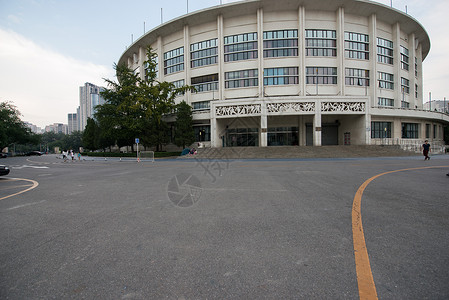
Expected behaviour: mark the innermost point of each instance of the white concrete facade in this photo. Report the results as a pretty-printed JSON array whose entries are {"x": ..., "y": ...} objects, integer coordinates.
[{"x": 333, "y": 110}]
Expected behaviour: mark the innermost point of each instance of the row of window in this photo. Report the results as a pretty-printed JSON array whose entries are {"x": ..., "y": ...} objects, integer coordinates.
[
  {"x": 289, "y": 135},
  {"x": 282, "y": 43},
  {"x": 289, "y": 75},
  {"x": 380, "y": 130}
]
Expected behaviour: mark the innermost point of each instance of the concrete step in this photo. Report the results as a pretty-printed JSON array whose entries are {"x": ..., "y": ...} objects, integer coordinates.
[{"x": 301, "y": 152}]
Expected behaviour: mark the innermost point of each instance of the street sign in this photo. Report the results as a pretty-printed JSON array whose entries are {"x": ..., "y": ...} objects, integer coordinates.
[{"x": 137, "y": 140}]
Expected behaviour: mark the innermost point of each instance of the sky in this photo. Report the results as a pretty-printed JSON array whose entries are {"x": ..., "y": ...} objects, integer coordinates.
[{"x": 49, "y": 48}]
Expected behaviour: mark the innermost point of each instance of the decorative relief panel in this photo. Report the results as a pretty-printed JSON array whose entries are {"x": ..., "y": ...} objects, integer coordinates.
[
  {"x": 343, "y": 106},
  {"x": 238, "y": 110},
  {"x": 291, "y": 107}
]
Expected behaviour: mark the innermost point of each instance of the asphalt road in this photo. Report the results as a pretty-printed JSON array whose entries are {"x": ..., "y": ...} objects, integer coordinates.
[{"x": 222, "y": 229}]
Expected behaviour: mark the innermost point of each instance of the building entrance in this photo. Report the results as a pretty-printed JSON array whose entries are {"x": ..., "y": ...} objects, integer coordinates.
[
  {"x": 283, "y": 136},
  {"x": 329, "y": 134},
  {"x": 242, "y": 137}
]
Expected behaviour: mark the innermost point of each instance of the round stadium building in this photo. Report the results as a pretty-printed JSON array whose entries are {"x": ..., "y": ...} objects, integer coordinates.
[{"x": 309, "y": 72}]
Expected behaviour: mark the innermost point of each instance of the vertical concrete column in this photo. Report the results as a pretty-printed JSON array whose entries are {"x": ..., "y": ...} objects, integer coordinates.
[
  {"x": 411, "y": 70},
  {"x": 160, "y": 59},
  {"x": 260, "y": 50},
  {"x": 214, "y": 138},
  {"x": 263, "y": 125},
  {"x": 373, "y": 59},
  {"x": 341, "y": 47},
  {"x": 142, "y": 59},
  {"x": 263, "y": 116},
  {"x": 220, "y": 46},
  {"x": 420, "y": 75},
  {"x": 301, "y": 131},
  {"x": 187, "y": 61},
  {"x": 397, "y": 64},
  {"x": 302, "y": 49},
  {"x": 367, "y": 123},
  {"x": 317, "y": 129}
]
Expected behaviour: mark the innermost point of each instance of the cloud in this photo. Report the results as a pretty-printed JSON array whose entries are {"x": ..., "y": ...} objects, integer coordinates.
[
  {"x": 42, "y": 83},
  {"x": 14, "y": 19}
]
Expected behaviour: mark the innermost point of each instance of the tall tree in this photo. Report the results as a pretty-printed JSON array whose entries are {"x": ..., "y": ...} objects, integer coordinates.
[
  {"x": 90, "y": 135},
  {"x": 121, "y": 112},
  {"x": 12, "y": 128},
  {"x": 158, "y": 101},
  {"x": 184, "y": 133},
  {"x": 136, "y": 106}
]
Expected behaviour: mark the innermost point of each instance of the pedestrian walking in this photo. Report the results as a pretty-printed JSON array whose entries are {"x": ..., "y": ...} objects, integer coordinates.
[{"x": 426, "y": 149}]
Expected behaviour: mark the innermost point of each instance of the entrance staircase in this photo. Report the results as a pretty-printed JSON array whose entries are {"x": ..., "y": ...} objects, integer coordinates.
[{"x": 301, "y": 152}]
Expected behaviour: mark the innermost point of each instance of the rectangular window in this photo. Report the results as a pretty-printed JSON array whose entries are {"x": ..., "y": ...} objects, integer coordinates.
[
  {"x": 427, "y": 131},
  {"x": 357, "y": 77},
  {"x": 321, "y": 75},
  {"x": 404, "y": 58},
  {"x": 243, "y": 78},
  {"x": 205, "y": 83},
  {"x": 280, "y": 76},
  {"x": 385, "y": 102},
  {"x": 202, "y": 133},
  {"x": 416, "y": 91},
  {"x": 409, "y": 130},
  {"x": 280, "y": 43},
  {"x": 283, "y": 136},
  {"x": 204, "y": 53},
  {"x": 356, "y": 45},
  {"x": 405, "y": 85},
  {"x": 174, "y": 61},
  {"x": 435, "y": 131},
  {"x": 385, "y": 80},
  {"x": 416, "y": 67},
  {"x": 240, "y": 47},
  {"x": 380, "y": 130},
  {"x": 178, "y": 84},
  {"x": 321, "y": 42},
  {"x": 203, "y": 105},
  {"x": 384, "y": 51}
]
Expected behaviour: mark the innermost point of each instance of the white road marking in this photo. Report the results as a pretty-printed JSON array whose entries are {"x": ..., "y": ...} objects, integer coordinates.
[
  {"x": 24, "y": 205},
  {"x": 27, "y": 166}
]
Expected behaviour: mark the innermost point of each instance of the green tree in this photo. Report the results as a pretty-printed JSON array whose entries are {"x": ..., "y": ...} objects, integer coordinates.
[
  {"x": 157, "y": 102},
  {"x": 72, "y": 141},
  {"x": 12, "y": 128},
  {"x": 122, "y": 110},
  {"x": 90, "y": 135},
  {"x": 136, "y": 107},
  {"x": 184, "y": 133}
]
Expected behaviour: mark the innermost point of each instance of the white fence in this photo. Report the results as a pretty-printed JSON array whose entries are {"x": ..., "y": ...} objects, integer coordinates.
[{"x": 415, "y": 145}]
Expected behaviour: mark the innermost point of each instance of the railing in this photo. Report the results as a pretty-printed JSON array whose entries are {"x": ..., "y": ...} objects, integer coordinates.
[{"x": 414, "y": 145}]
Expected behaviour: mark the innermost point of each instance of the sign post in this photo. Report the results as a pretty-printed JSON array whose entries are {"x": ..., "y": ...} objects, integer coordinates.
[{"x": 137, "y": 142}]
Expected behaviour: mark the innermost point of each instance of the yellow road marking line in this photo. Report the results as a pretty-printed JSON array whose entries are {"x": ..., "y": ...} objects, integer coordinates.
[
  {"x": 15, "y": 187},
  {"x": 367, "y": 288},
  {"x": 35, "y": 184}
]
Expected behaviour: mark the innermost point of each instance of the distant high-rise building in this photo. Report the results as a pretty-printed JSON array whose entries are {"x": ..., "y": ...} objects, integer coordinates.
[
  {"x": 72, "y": 123},
  {"x": 89, "y": 98},
  {"x": 33, "y": 128},
  {"x": 78, "y": 123},
  {"x": 57, "y": 128}
]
